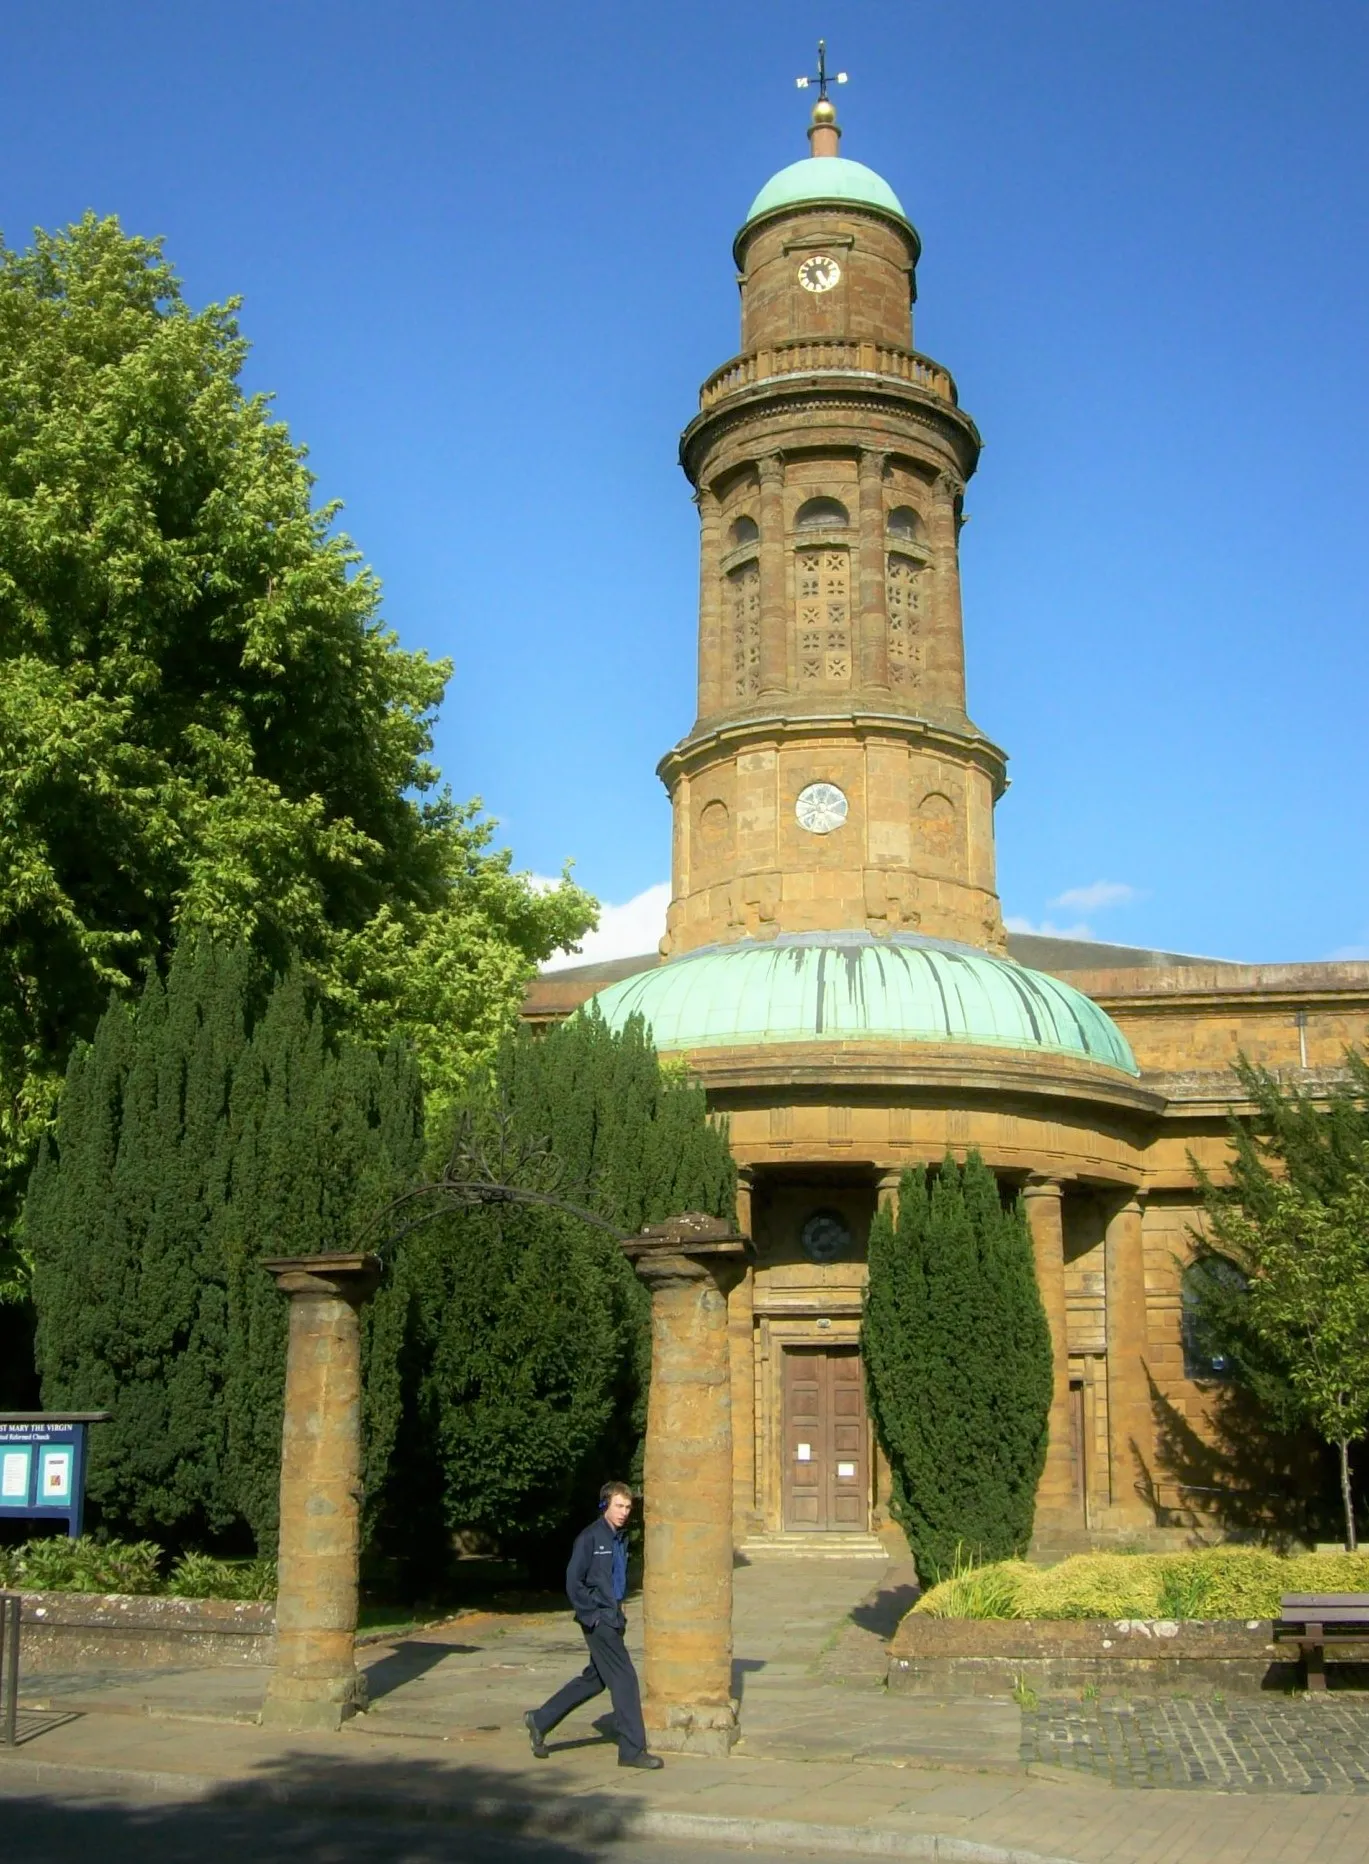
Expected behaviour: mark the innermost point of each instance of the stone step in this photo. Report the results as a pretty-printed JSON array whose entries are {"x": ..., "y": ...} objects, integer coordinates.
[{"x": 813, "y": 1547}]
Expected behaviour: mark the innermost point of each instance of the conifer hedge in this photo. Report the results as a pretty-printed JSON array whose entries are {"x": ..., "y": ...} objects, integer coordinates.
[
  {"x": 519, "y": 1337},
  {"x": 212, "y": 1125},
  {"x": 958, "y": 1366}
]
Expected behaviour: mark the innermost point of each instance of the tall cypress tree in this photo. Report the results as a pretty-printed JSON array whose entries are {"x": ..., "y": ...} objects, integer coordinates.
[
  {"x": 193, "y": 1140},
  {"x": 958, "y": 1365}
]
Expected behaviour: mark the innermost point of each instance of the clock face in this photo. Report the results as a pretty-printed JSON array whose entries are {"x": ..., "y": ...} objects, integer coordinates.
[
  {"x": 819, "y": 273},
  {"x": 820, "y": 808}
]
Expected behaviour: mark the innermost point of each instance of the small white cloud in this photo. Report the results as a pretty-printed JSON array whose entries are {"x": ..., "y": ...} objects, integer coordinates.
[
  {"x": 1047, "y": 928},
  {"x": 1099, "y": 895},
  {"x": 624, "y": 931}
]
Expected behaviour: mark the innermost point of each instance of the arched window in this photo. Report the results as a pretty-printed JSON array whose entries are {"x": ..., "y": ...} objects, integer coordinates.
[
  {"x": 1208, "y": 1285},
  {"x": 906, "y": 523},
  {"x": 822, "y": 514},
  {"x": 744, "y": 531}
]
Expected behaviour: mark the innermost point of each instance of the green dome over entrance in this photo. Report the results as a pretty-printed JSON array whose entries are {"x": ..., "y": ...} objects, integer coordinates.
[
  {"x": 854, "y": 987},
  {"x": 825, "y": 178}
]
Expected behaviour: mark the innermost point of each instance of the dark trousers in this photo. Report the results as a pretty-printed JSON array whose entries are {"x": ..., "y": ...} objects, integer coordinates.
[{"x": 609, "y": 1668}]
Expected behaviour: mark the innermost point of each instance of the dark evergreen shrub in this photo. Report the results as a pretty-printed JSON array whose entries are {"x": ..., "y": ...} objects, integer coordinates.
[
  {"x": 520, "y": 1335},
  {"x": 195, "y": 1138},
  {"x": 958, "y": 1366}
]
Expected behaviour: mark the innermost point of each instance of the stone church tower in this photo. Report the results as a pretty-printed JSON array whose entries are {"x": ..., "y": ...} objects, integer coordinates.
[
  {"x": 835, "y": 970},
  {"x": 833, "y": 780}
]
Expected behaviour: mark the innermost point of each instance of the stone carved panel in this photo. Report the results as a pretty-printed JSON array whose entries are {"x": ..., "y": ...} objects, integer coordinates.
[
  {"x": 904, "y": 603},
  {"x": 823, "y": 590},
  {"x": 744, "y": 613}
]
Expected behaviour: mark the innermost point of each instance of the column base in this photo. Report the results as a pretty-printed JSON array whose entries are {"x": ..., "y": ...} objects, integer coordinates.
[
  {"x": 708, "y": 1728},
  {"x": 300, "y": 1704}
]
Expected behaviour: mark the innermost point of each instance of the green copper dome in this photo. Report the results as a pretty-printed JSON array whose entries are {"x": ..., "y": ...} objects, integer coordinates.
[
  {"x": 854, "y": 987},
  {"x": 825, "y": 178}
]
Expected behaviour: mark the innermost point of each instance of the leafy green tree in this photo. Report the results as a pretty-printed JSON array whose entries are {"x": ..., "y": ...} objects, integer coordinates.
[
  {"x": 204, "y": 722},
  {"x": 958, "y": 1366},
  {"x": 521, "y": 1334},
  {"x": 211, "y": 1125},
  {"x": 1295, "y": 1219}
]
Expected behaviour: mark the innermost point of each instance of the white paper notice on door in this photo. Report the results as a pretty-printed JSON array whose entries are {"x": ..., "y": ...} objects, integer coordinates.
[
  {"x": 846, "y": 1469},
  {"x": 14, "y": 1475},
  {"x": 804, "y": 1453}
]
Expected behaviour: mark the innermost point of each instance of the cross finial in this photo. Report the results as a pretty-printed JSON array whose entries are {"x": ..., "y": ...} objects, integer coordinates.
[{"x": 820, "y": 76}]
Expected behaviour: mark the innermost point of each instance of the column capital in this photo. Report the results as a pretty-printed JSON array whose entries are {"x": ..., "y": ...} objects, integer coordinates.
[
  {"x": 872, "y": 462},
  {"x": 1041, "y": 1184},
  {"x": 950, "y": 485},
  {"x": 690, "y": 1248},
  {"x": 345, "y": 1276},
  {"x": 770, "y": 466}
]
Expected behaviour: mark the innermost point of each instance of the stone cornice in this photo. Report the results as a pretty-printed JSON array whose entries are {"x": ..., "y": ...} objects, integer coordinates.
[
  {"x": 823, "y": 392},
  {"x": 706, "y": 744},
  {"x": 921, "y": 1069},
  {"x": 1160, "y": 990}
]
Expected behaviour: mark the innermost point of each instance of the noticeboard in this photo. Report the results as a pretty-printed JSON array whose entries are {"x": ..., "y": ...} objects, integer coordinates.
[{"x": 43, "y": 1465}]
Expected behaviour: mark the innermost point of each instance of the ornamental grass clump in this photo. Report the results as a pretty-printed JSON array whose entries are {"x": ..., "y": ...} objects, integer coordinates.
[{"x": 1209, "y": 1583}]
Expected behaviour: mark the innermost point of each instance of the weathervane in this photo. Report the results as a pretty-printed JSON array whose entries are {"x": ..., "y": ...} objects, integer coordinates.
[{"x": 820, "y": 77}]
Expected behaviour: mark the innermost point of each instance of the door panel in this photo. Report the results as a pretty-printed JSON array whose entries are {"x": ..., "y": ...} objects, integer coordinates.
[{"x": 826, "y": 1440}]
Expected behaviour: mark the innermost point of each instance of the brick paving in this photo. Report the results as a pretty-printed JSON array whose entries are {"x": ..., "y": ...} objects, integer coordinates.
[{"x": 1280, "y": 1745}]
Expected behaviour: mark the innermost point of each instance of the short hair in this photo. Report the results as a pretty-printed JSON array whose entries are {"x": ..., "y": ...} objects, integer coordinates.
[{"x": 610, "y": 1489}]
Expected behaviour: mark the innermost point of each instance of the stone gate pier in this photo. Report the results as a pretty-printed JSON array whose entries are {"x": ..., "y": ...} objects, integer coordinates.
[
  {"x": 690, "y": 1264},
  {"x": 315, "y": 1683}
]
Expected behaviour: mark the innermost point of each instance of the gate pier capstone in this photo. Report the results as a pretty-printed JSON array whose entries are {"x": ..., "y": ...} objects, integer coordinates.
[
  {"x": 315, "y": 1683},
  {"x": 689, "y": 1264}
]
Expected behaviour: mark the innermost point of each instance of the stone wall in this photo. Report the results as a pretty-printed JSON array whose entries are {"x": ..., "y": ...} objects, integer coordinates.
[
  {"x": 969, "y": 1656},
  {"x": 95, "y": 1631}
]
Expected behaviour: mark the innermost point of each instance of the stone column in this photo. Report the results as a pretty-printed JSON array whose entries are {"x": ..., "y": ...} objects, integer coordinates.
[
  {"x": 945, "y": 663},
  {"x": 711, "y": 658},
  {"x": 774, "y": 584},
  {"x": 741, "y": 1343},
  {"x": 1130, "y": 1428},
  {"x": 886, "y": 1191},
  {"x": 1055, "y": 1498},
  {"x": 315, "y": 1682},
  {"x": 873, "y": 663},
  {"x": 689, "y": 1264}
]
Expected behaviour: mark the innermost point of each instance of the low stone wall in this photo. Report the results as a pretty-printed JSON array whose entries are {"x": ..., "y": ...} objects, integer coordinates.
[
  {"x": 991, "y": 1656},
  {"x": 97, "y": 1631}
]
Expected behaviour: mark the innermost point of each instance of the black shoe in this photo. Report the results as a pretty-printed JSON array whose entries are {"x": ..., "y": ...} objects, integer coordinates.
[
  {"x": 649, "y": 1763},
  {"x": 540, "y": 1750}
]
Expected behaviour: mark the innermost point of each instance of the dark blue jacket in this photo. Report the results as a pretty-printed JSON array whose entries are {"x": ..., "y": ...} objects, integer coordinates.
[{"x": 590, "y": 1586}]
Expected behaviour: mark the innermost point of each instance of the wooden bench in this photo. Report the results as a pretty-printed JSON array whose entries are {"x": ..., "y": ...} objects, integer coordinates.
[{"x": 1317, "y": 1619}]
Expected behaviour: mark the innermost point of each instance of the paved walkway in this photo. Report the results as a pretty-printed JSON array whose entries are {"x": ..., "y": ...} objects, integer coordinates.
[
  {"x": 828, "y": 1759},
  {"x": 1315, "y": 1744}
]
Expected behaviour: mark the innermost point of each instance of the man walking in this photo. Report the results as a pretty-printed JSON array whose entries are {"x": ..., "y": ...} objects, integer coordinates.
[{"x": 596, "y": 1582}]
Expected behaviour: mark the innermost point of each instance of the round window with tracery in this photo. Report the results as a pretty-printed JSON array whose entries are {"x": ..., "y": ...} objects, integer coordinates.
[{"x": 826, "y": 1236}]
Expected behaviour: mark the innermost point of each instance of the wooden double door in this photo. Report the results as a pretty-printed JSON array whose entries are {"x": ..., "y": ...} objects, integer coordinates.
[{"x": 826, "y": 1441}]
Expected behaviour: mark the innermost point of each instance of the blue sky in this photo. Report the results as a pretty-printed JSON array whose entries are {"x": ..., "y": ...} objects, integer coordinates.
[{"x": 485, "y": 258}]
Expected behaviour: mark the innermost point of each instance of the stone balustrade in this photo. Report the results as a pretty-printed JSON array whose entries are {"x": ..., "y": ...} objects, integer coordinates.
[{"x": 823, "y": 355}]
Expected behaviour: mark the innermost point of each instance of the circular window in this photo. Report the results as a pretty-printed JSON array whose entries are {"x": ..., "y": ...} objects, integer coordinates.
[
  {"x": 826, "y": 1236},
  {"x": 820, "y": 808}
]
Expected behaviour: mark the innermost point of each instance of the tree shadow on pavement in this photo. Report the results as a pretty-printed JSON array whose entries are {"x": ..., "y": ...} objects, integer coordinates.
[
  {"x": 884, "y": 1610},
  {"x": 411, "y": 1659},
  {"x": 310, "y": 1809}
]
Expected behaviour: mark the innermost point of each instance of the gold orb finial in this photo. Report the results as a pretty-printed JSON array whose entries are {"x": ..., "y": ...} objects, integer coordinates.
[{"x": 824, "y": 111}]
